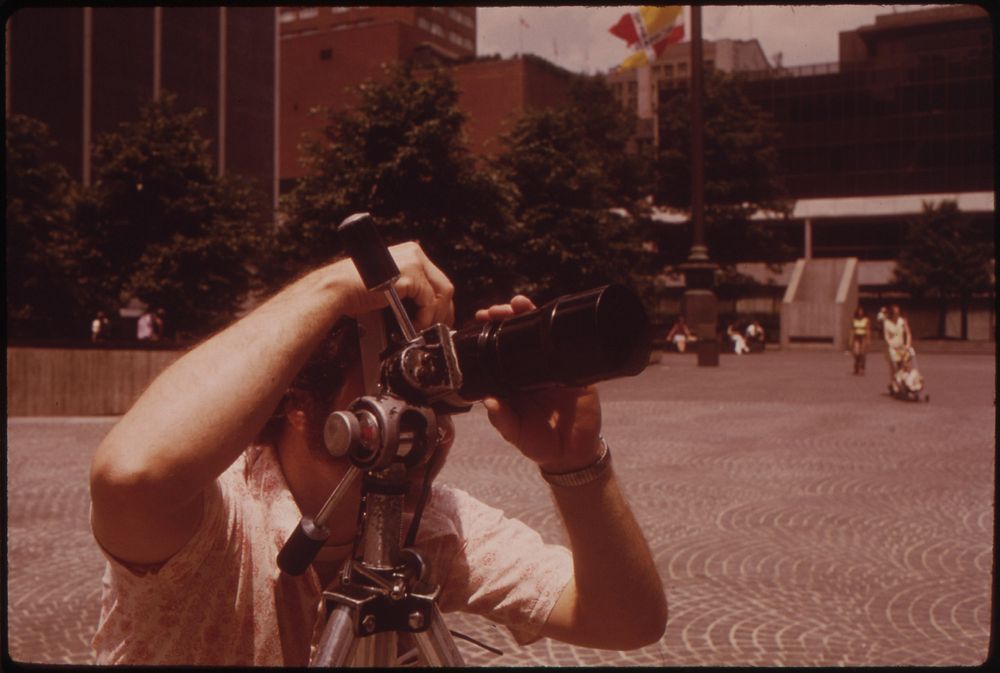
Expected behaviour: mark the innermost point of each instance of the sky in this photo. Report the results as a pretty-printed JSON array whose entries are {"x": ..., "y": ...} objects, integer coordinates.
[{"x": 577, "y": 37}]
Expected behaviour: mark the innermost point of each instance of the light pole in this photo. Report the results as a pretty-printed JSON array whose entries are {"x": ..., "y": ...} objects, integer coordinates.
[{"x": 699, "y": 305}]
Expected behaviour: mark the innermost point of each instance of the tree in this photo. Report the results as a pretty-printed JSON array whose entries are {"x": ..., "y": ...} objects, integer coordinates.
[
  {"x": 944, "y": 258},
  {"x": 741, "y": 173},
  {"x": 42, "y": 297},
  {"x": 580, "y": 195},
  {"x": 400, "y": 155},
  {"x": 160, "y": 225}
]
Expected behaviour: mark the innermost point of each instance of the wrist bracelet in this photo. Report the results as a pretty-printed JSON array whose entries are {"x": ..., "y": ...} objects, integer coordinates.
[{"x": 584, "y": 475}]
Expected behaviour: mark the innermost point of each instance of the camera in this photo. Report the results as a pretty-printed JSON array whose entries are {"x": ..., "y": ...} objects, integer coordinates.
[{"x": 574, "y": 340}]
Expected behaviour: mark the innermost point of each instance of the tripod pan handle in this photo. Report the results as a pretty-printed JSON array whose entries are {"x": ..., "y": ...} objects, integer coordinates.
[
  {"x": 371, "y": 256},
  {"x": 302, "y": 546}
]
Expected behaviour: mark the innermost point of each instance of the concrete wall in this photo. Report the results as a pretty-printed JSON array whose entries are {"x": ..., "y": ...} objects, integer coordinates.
[
  {"x": 79, "y": 382},
  {"x": 821, "y": 296}
]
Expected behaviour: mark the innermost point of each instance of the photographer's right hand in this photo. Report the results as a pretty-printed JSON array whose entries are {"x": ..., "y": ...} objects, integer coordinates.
[{"x": 419, "y": 279}]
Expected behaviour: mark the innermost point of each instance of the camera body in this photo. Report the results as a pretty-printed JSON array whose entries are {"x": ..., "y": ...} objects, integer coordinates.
[{"x": 574, "y": 340}]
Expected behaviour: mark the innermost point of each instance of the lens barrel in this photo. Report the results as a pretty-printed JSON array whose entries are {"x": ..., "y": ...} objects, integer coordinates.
[{"x": 576, "y": 340}]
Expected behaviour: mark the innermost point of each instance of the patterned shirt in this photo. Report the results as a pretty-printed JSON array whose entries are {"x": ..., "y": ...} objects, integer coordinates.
[{"x": 222, "y": 600}]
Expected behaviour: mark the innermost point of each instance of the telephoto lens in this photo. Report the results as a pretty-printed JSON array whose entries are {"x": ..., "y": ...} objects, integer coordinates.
[{"x": 575, "y": 340}]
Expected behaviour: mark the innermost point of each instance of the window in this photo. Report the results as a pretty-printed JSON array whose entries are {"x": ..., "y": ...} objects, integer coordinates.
[
  {"x": 287, "y": 16},
  {"x": 340, "y": 10},
  {"x": 309, "y": 13}
]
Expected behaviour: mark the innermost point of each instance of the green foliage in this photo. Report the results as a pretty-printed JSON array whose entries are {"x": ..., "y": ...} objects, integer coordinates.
[
  {"x": 400, "y": 155},
  {"x": 741, "y": 172},
  {"x": 943, "y": 258},
  {"x": 580, "y": 195},
  {"x": 159, "y": 224},
  {"x": 41, "y": 293}
]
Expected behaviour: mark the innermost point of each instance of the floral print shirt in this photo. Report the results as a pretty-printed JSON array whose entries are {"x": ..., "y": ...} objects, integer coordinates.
[{"x": 222, "y": 600}]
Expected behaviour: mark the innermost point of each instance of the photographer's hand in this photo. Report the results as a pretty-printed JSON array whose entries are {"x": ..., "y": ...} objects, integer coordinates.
[
  {"x": 558, "y": 428},
  {"x": 615, "y": 599}
]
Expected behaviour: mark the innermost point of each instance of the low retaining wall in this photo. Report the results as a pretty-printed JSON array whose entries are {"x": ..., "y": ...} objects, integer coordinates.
[{"x": 79, "y": 382}]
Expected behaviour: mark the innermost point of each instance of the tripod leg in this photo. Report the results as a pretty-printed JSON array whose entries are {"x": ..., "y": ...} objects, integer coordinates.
[
  {"x": 337, "y": 644},
  {"x": 437, "y": 648},
  {"x": 377, "y": 650}
]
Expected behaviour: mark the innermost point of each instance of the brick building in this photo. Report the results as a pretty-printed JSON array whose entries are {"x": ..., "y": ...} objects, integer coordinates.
[
  {"x": 326, "y": 51},
  {"x": 84, "y": 70}
]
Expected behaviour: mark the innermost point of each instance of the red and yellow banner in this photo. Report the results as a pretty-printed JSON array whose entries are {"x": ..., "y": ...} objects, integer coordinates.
[{"x": 648, "y": 32}]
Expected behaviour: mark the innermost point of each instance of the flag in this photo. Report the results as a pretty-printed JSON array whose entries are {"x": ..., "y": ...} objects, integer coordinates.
[{"x": 648, "y": 32}]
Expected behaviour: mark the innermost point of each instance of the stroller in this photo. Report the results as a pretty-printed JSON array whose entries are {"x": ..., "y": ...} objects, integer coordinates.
[{"x": 908, "y": 383}]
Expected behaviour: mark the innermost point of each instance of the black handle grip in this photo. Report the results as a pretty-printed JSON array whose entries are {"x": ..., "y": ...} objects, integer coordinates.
[
  {"x": 302, "y": 546},
  {"x": 368, "y": 250}
]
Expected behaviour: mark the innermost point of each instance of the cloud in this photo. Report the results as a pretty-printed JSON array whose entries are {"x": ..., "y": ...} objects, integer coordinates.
[{"x": 577, "y": 37}]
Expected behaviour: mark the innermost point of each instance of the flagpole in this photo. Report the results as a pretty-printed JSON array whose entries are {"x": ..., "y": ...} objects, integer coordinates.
[{"x": 699, "y": 303}]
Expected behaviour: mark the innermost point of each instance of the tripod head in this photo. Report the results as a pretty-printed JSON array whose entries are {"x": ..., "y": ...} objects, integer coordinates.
[{"x": 391, "y": 426}]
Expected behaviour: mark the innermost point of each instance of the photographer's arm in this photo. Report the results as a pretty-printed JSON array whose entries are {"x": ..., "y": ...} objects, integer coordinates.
[
  {"x": 200, "y": 413},
  {"x": 615, "y": 599}
]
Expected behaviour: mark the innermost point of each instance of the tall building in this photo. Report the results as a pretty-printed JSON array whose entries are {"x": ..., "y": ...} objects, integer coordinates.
[
  {"x": 905, "y": 115},
  {"x": 908, "y": 109},
  {"x": 327, "y": 51},
  {"x": 84, "y": 70}
]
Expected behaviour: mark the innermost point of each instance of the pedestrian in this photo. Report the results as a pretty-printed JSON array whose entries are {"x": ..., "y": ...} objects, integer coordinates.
[
  {"x": 200, "y": 482},
  {"x": 898, "y": 340},
  {"x": 159, "y": 323},
  {"x": 860, "y": 338},
  {"x": 150, "y": 325},
  {"x": 99, "y": 327},
  {"x": 679, "y": 335},
  {"x": 880, "y": 317}
]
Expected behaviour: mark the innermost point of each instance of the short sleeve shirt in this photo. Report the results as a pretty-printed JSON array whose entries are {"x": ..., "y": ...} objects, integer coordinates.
[{"x": 222, "y": 600}]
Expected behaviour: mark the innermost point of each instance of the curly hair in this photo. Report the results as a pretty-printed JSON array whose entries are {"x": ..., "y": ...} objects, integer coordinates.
[{"x": 321, "y": 377}]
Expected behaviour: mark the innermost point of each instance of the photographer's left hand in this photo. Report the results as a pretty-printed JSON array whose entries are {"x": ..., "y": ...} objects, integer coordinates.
[{"x": 558, "y": 428}]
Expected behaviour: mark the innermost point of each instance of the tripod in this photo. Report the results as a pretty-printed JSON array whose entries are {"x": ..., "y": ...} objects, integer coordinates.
[
  {"x": 380, "y": 594},
  {"x": 383, "y": 595}
]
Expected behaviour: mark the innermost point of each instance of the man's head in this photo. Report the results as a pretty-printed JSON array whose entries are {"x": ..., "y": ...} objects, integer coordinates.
[
  {"x": 329, "y": 381},
  {"x": 318, "y": 384}
]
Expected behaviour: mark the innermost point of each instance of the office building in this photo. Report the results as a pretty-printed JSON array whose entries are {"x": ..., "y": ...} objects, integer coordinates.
[{"x": 84, "y": 70}]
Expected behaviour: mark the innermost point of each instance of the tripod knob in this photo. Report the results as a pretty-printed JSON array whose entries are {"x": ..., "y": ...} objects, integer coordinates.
[{"x": 340, "y": 432}]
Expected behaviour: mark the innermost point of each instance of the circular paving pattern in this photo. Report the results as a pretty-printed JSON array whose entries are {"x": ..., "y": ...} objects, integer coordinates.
[{"x": 793, "y": 524}]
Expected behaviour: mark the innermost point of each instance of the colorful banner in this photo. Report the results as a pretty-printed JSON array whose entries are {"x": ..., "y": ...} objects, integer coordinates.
[{"x": 648, "y": 32}]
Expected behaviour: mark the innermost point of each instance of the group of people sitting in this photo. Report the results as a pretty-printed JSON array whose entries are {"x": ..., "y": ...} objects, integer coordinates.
[{"x": 747, "y": 340}]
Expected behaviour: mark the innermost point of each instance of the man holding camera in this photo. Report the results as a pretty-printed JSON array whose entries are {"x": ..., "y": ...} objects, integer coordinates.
[{"x": 190, "y": 519}]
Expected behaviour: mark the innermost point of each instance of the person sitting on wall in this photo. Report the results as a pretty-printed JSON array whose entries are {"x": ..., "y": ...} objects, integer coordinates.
[
  {"x": 679, "y": 335},
  {"x": 755, "y": 337},
  {"x": 739, "y": 343}
]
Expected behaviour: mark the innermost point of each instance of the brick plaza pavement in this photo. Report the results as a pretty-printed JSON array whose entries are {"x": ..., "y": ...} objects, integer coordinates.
[{"x": 798, "y": 515}]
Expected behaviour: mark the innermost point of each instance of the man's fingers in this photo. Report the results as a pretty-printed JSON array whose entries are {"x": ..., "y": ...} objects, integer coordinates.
[
  {"x": 518, "y": 304},
  {"x": 421, "y": 280},
  {"x": 502, "y": 417}
]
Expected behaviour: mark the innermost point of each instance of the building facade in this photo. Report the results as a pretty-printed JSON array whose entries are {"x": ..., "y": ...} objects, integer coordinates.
[
  {"x": 906, "y": 115},
  {"x": 85, "y": 70},
  {"x": 328, "y": 51}
]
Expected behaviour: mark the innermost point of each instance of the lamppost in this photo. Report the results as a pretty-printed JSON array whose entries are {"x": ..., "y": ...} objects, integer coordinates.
[{"x": 699, "y": 305}]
